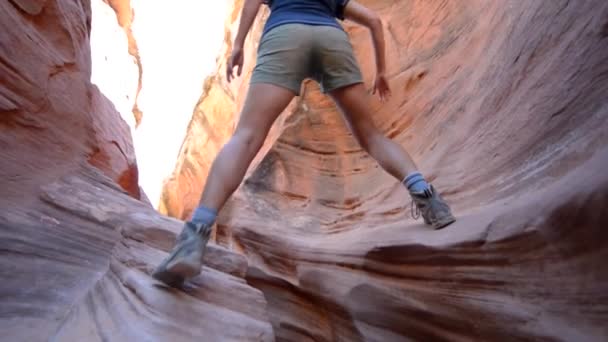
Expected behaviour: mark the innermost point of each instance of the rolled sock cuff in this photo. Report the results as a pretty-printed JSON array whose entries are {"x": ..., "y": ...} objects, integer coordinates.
[
  {"x": 415, "y": 182},
  {"x": 412, "y": 178}
]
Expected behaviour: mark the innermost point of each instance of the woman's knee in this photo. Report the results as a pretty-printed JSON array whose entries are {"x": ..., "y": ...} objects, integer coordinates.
[
  {"x": 368, "y": 139},
  {"x": 249, "y": 137}
]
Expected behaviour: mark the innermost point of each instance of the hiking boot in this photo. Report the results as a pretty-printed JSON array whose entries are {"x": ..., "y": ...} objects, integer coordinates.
[
  {"x": 186, "y": 258},
  {"x": 433, "y": 208}
]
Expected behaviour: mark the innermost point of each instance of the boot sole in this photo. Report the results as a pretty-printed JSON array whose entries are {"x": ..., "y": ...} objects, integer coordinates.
[
  {"x": 184, "y": 269},
  {"x": 168, "y": 278},
  {"x": 175, "y": 274},
  {"x": 176, "y": 268},
  {"x": 444, "y": 223}
]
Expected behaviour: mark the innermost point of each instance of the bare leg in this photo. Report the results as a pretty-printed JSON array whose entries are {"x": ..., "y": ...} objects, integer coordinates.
[
  {"x": 353, "y": 102},
  {"x": 263, "y": 105}
]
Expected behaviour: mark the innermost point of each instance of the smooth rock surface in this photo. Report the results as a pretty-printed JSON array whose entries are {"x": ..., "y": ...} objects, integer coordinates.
[
  {"x": 503, "y": 105},
  {"x": 76, "y": 267}
]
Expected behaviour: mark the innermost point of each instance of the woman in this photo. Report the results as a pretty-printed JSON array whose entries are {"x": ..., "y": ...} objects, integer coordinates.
[{"x": 301, "y": 39}]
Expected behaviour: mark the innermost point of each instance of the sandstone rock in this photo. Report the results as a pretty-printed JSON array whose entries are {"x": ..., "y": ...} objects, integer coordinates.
[
  {"x": 69, "y": 274},
  {"x": 53, "y": 118}
]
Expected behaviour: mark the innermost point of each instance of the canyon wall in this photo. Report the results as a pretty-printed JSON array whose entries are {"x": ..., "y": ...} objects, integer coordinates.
[
  {"x": 53, "y": 118},
  {"x": 503, "y": 105}
]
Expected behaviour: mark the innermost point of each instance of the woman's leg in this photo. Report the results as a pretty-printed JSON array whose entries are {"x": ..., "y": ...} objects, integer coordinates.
[
  {"x": 263, "y": 105},
  {"x": 353, "y": 101}
]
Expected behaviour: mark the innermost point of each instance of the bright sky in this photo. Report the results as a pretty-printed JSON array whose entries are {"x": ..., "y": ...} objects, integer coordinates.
[{"x": 178, "y": 42}]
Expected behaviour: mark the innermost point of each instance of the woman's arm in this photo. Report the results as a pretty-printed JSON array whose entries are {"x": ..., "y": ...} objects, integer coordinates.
[
  {"x": 368, "y": 18},
  {"x": 236, "y": 60},
  {"x": 250, "y": 10}
]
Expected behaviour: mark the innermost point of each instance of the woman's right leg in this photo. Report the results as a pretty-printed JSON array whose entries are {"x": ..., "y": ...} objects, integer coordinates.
[{"x": 263, "y": 105}]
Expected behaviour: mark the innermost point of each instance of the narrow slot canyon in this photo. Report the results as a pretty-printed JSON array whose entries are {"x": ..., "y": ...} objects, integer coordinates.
[{"x": 111, "y": 113}]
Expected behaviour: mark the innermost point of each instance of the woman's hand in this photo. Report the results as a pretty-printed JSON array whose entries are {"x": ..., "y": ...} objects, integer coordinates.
[
  {"x": 381, "y": 87},
  {"x": 235, "y": 60},
  {"x": 248, "y": 14}
]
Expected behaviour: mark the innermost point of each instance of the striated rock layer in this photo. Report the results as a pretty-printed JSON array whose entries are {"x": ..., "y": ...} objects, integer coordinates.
[
  {"x": 75, "y": 267},
  {"x": 76, "y": 244},
  {"x": 503, "y": 105}
]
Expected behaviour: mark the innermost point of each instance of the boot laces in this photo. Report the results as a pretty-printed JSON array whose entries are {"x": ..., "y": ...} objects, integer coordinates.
[
  {"x": 202, "y": 230},
  {"x": 415, "y": 211},
  {"x": 414, "y": 208}
]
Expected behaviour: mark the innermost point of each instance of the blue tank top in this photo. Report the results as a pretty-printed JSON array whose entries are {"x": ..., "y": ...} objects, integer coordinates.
[{"x": 311, "y": 12}]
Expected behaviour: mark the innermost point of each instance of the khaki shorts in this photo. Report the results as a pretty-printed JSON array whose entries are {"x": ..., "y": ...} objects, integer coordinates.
[{"x": 292, "y": 52}]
